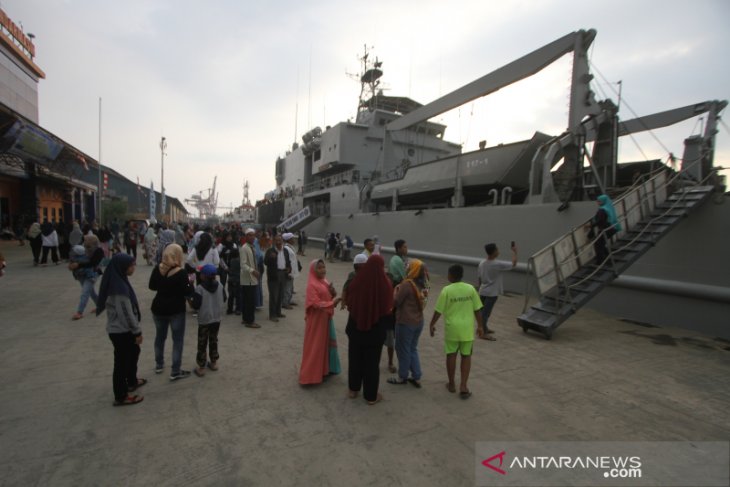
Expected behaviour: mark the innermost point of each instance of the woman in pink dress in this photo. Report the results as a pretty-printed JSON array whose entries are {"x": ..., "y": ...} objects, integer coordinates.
[{"x": 319, "y": 354}]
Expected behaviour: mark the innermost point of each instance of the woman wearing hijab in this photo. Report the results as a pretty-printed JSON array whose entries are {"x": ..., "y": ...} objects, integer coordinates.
[
  {"x": 168, "y": 308},
  {"x": 75, "y": 237},
  {"x": 319, "y": 353},
  {"x": 86, "y": 273},
  {"x": 409, "y": 300},
  {"x": 117, "y": 297},
  {"x": 606, "y": 221},
  {"x": 203, "y": 253},
  {"x": 167, "y": 237},
  {"x": 49, "y": 239},
  {"x": 369, "y": 300},
  {"x": 36, "y": 242},
  {"x": 150, "y": 244}
]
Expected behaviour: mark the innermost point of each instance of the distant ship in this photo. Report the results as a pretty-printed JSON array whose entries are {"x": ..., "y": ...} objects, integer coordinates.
[{"x": 391, "y": 174}]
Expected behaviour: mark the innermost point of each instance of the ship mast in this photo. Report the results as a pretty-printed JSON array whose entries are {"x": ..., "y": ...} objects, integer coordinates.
[{"x": 369, "y": 83}]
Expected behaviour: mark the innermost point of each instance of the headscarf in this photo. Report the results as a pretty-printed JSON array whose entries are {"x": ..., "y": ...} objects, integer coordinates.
[
  {"x": 75, "y": 237},
  {"x": 370, "y": 294},
  {"x": 318, "y": 290},
  {"x": 172, "y": 260},
  {"x": 91, "y": 243},
  {"x": 196, "y": 238},
  {"x": 607, "y": 206},
  {"x": 46, "y": 228},
  {"x": 115, "y": 281},
  {"x": 167, "y": 237},
  {"x": 34, "y": 230},
  {"x": 205, "y": 242},
  {"x": 416, "y": 278}
]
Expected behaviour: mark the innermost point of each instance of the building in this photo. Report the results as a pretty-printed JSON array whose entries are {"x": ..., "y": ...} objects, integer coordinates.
[{"x": 43, "y": 177}]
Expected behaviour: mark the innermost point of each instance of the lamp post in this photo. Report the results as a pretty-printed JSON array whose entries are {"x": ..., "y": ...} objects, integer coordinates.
[{"x": 163, "y": 146}]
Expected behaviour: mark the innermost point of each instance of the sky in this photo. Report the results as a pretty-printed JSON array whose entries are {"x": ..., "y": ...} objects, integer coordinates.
[{"x": 231, "y": 84}]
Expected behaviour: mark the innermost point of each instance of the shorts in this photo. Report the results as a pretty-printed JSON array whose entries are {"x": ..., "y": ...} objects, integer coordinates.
[
  {"x": 390, "y": 338},
  {"x": 453, "y": 346}
]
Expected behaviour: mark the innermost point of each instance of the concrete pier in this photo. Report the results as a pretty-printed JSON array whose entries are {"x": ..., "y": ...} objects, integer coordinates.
[{"x": 250, "y": 423}]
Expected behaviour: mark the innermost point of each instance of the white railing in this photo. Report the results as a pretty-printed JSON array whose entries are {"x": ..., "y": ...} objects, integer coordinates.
[{"x": 559, "y": 260}]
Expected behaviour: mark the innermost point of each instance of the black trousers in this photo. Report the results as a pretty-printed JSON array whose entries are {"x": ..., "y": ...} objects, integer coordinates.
[
  {"x": 126, "y": 354},
  {"x": 249, "y": 304},
  {"x": 35, "y": 247},
  {"x": 363, "y": 353},
  {"x": 276, "y": 293},
  {"x": 132, "y": 250},
  {"x": 54, "y": 254},
  {"x": 234, "y": 296}
]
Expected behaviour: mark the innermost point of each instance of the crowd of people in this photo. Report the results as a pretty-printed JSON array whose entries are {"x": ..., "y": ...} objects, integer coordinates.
[{"x": 215, "y": 271}]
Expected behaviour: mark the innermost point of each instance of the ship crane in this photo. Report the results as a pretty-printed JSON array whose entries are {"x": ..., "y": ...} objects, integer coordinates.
[{"x": 206, "y": 205}]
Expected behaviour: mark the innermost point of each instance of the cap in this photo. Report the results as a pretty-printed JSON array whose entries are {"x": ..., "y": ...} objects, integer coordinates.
[
  {"x": 249, "y": 230},
  {"x": 360, "y": 259},
  {"x": 209, "y": 270},
  {"x": 287, "y": 236}
]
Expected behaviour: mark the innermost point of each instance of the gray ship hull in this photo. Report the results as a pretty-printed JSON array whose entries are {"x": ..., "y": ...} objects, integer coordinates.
[{"x": 684, "y": 281}]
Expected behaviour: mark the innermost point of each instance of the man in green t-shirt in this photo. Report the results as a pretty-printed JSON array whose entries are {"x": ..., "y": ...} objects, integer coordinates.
[{"x": 460, "y": 304}]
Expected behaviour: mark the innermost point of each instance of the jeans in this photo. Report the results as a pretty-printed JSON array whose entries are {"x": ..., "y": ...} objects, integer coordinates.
[
  {"x": 406, "y": 346},
  {"x": 488, "y": 302},
  {"x": 87, "y": 291},
  {"x": 177, "y": 324}
]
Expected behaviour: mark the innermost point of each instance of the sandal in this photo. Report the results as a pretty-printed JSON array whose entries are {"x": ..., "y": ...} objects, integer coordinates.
[
  {"x": 415, "y": 383},
  {"x": 488, "y": 337},
  {"x": 212, "y": 366},
  {"x": 252, "y": 325},
  {"x": 140, "y": 383},
  {"x": 451, "y": 387},
  {"x": 392, "y": 369},
  {"x": 199, "y": 371},
  {"x": 77, "y": 316},
  {"x": 352, "y": 394},
  {"x": 129, "y": 401},
  {"x": 465, "y": 394},
  {"x": 396, "y": 380},
  {"x": 377, "y": 400}
]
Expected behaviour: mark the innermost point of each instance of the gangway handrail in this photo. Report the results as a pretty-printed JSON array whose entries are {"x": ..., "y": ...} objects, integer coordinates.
[{"x": 579, "y": 252}]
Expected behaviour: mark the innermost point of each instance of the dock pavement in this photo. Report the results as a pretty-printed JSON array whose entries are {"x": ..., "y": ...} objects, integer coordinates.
[{"x": 250, "y": 423}]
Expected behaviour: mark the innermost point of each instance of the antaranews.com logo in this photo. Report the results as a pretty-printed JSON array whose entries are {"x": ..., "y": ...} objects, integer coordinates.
[
  {"x": 621, "y": 467},
  {"x": 601, "y": 463}
]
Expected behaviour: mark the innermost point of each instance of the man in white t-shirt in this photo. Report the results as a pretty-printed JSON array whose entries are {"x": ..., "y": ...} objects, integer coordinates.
[{"x": 489, "y": 275}]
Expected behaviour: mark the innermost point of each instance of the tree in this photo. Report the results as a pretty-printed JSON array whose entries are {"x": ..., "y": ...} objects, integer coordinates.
[{"x": 113, "y": 209}]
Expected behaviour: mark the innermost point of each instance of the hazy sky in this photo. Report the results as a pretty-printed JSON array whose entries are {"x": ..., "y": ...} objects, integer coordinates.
[{"x": 222, "y": 80}]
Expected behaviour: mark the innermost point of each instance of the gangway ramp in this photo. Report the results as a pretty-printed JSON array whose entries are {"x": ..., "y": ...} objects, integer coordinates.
[{"x": 565, "y": 272}]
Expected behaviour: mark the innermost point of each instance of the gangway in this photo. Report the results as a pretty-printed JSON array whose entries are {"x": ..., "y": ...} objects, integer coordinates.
[{"x": 565, "y": 271}]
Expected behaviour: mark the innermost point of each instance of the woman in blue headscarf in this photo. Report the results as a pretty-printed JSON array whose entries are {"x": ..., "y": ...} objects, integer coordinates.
[
  {"x": 117, "y": 297},
  {"x": 606, "y": 223}
]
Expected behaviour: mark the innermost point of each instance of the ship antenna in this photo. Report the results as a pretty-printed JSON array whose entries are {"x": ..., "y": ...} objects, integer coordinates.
[{"x": 369, "y": 81}]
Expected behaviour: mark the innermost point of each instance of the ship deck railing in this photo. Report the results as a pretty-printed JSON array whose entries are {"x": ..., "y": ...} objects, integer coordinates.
[{"x": 346, "y": 177}]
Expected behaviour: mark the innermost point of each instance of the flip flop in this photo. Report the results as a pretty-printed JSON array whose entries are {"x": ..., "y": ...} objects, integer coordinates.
[
  {"x": 140, "y": 383},
  {"x": 396, "y": 380},
  {"x": 252, "y": 325},
  {"x": 465, "y": 394},
  {"x": 129, "y": 401},
  {"x": 415, "y": 383},
  {"x": 199, "y": 372},
  {"x": 352, "y": 394},
  {"x": 488, "y": 337},
  {"x": 450, "y": 388}
]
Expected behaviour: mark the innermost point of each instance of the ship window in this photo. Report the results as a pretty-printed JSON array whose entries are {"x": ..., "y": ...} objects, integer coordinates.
[
  {"x": 381, "y": 122},
  {"x": 317, "y": 155}
]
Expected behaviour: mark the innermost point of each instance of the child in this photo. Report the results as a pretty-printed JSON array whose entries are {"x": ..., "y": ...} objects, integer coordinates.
[
  {"x": 117, "y": 297},
  {"x": 78, "y": 255},
  {"x": 208, "y": 300},
  {"x": 460, "y": 304},
  {"x": 234, "y": 283}
]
